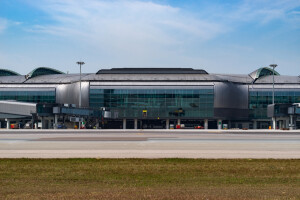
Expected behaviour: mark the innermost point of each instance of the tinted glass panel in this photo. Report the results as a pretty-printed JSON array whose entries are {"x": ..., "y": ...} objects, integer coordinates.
[
  {"x": 156, "y": 102},
  {"x": 259, "y": 100}
]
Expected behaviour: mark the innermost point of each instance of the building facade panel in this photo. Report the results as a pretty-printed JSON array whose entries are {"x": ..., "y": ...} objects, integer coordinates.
[
  {"x": 231, "y": 101},
  {"x": 160, "y": 97},
  {"x": 36, "y": 95},
  {"x": 69, "y": 94},
  {"x": 259, "y": 99},
  {"x": 155, "y": 102}
]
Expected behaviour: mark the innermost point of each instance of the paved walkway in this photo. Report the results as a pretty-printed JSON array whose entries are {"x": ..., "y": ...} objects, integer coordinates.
[{"x": 149, "y": 144}]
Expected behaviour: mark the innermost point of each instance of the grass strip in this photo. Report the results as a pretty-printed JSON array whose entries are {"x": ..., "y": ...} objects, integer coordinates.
[{"x": 149, "y": 179}]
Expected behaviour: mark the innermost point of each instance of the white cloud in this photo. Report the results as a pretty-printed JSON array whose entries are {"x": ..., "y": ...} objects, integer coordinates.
[
  {"x": 125, "y": 21},
  {"x": 3, "y": 24},
  {"x": 142, "y": 22},
  {"x": 295, "y": 13},
  {"x": 264, "y": 11},
  {"x": 129, "y": 33}
]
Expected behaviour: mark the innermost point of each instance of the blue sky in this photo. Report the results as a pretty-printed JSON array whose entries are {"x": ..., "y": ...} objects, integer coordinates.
[{"x": 218, "y": 36}]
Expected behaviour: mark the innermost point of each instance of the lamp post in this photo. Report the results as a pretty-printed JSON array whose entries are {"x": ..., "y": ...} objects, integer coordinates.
[
  {"x": 273, "y": 98},
  {"x": 80, "y": 63}
]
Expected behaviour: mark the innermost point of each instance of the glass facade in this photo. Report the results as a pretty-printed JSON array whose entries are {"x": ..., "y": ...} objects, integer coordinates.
[
  {"x": 29, "y": 96},
  {"x": 260, "y": 99},
  {"x": 155, "y": 103}
]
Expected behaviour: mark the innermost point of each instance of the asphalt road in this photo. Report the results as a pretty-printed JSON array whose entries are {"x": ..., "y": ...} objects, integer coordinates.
[{"x": 149, "y": 144}]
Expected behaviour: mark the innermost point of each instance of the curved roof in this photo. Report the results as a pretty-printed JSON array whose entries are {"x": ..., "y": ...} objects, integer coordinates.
[
  {"x": 264, "y": 71},
  {"x": 151, "y": 71},
  {"x": 278, "y": 80},
  {"x": 56, "y": 78},
  {"x": 42, "y": 71},
  {"x": 50, "y": 76},
  {"x": 7, "y": 72}
]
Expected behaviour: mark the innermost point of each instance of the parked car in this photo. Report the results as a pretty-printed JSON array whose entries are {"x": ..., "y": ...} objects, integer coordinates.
[
  {"x": 16, "y": 125},
  {"x": 199, "y": 127},
  {"x": 61, "y": 126},
  {"x": 28, "y": 125}
]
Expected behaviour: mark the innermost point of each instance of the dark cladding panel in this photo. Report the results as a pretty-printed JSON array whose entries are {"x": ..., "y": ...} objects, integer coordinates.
[
  {"x": 231, "y": 101},
  {"x": 231, "y": 113},
  {"x": 278, "y": 110}
]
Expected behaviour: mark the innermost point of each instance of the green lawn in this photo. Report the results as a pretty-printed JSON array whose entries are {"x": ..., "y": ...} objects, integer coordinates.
[{"x": 149, "y": 179}]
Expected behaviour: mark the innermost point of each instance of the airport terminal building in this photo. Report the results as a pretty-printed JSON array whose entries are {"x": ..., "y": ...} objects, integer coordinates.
[{"x": 141, "y": 98}]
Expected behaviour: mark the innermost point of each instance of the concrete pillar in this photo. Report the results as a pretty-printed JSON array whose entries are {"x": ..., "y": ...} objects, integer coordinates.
[
  {"x": 7, "y": 124},
  {"x": 280, "y": 124},
  {"x": 167, "y": 124},
  {"x": 206, "y": 124},
  {"x": 55, "y": 121},
  {"x": 291, "y": 122},
  {"x": 254, "y": 124},
  {"x": 43, "y": 123},
  {"x": 274, "y": 123},
  {"x": 219, "y": 124},
  {"x": 178, "y": 121},
  {"x": 135, "y": 123},
  {"x": 97, "y": 123},
  {"x": 124, "y": 123},
  {"x": 18, "y": 123},
  {"x": 287, "y": 123}
]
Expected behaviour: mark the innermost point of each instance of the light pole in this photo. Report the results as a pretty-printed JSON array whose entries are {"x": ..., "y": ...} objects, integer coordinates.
[
  {"x": 273, "y": 98},
  {"x": 80, "y": 63}
]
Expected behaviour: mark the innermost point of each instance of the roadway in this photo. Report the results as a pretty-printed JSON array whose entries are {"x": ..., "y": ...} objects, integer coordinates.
[{"x": 149, "y": 144}]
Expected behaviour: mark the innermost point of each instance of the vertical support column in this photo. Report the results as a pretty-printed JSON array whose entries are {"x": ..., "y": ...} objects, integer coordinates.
[
  {"x": 280, "y": 124},
  {"x": 7, "y": 124},
  {"x": 291, "y": 122},
  {"x": 167, "y": 124},
  {"x": 206, "y": 124},
  {"x": 254, "y": 124},
  {"x": 18, "y": 124},
  {"x": 135, "y": 123},
  {"x": 43, "y": 123},
  {"x": 97, "y": 123},
  {"x": 219, "y": 124},
  {"x": 124, "y": 123},
  {"x": 287, "y": 123},
  {"x": 274, "y": 122},
  {"x": 55, "y": 121}
]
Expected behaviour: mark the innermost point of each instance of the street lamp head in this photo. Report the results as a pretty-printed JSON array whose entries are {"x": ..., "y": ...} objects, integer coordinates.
[
  {"x": 80, "y": 63},
  {"x": 273, "y": 65}
]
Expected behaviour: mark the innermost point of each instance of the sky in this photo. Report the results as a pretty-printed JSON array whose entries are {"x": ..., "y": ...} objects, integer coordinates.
[{"x": 232, "y": 37}]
